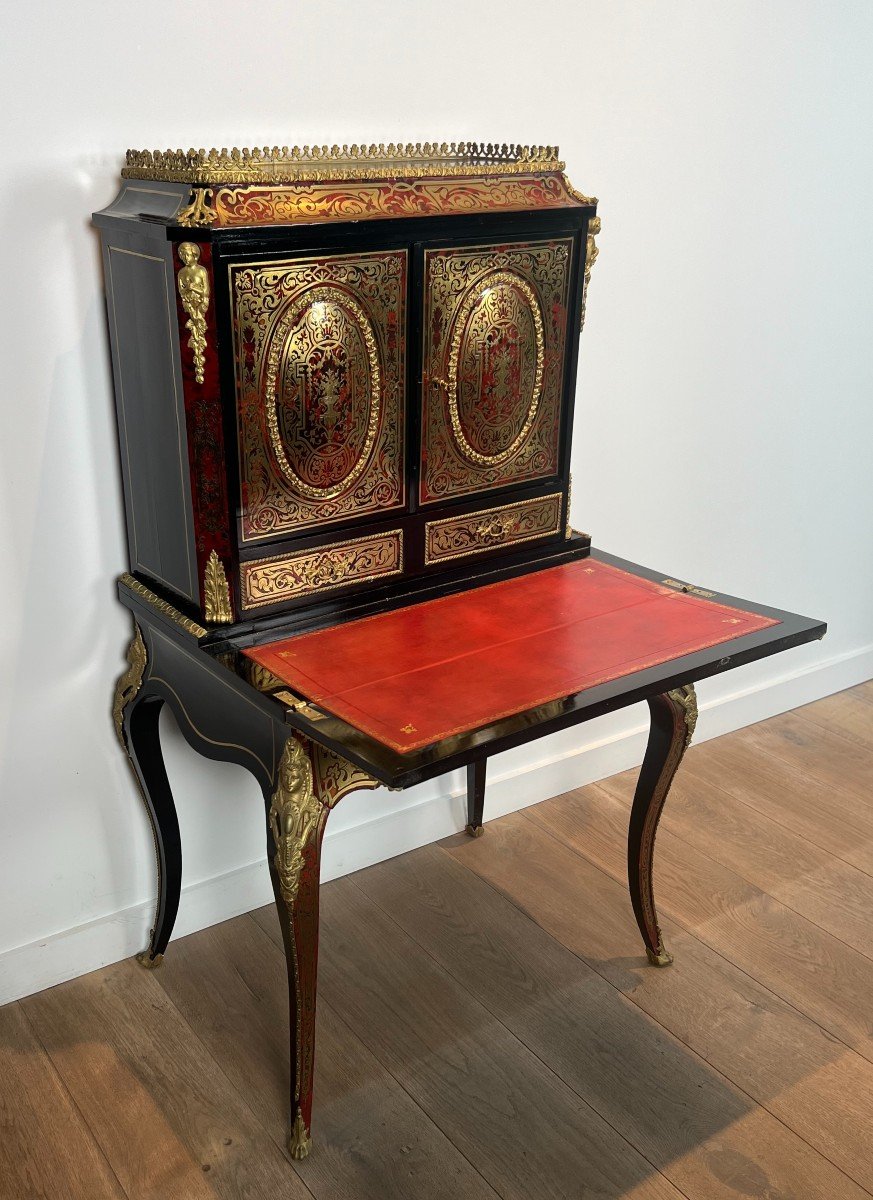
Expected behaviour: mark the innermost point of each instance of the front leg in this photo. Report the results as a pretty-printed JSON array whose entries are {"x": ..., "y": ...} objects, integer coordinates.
[
  {"x": 674, "y": 716},
  {"x": 136, "y": 716},
  {"x": 310, "y": 782}
]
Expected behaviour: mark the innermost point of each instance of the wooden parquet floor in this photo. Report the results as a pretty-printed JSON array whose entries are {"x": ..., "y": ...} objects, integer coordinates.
[{"x": 488, "y": 1026}]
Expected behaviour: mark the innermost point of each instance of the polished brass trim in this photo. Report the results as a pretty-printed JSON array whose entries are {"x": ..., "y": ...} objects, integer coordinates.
[
  {"x": 294, "y": 814},
  {"x": 689, "y": 588},
  {"x": 193, "y": 283},
  {"x": 493, "y": 279},
  {"x": 299, "y": 1141},
  {"x": 198, "y": 211},
  {"x": 661, "y": 957},
  {"x": 281, "y": 164},
  {"x": 568, "y": 532},
  {"x": 320, "y": 569},
  {"x": 687, "y": 698},
  {"x": 163, "y": 607},
  {"x": 130, "y": 682},
  {"x": 591, "y": 253},
  {"x": 488, "y": 528},
  {"x": 299, "y": 704},
  {"x": 216, "y": 593},
  {"x": 149, "y": 961}
]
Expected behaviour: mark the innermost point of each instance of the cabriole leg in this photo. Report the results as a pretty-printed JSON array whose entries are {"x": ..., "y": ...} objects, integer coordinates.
[
  {"x": 673, "y": 717},
  {"x": 476, "y": 796},
  {"x": 136, "y": 721},
  {"x": 310, "y": 782}
]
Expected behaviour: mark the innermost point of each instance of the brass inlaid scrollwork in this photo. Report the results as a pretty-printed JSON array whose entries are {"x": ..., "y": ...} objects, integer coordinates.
[
  {"x": 324, "y": 354},
  {"x": 508, "y": 525},
  {"x": 494, "y": 330},
  {"x": 498, "y": 349},
  {"x": 341, "y": 564},
  {"x": 193, "y": 282},
  {"x": 320, "y": 352}
]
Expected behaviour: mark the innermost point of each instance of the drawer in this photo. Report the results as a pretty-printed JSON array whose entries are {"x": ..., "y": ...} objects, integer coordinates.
[
  {"x": 320, "y": 569},
  {"x": 492, "y": 528}
]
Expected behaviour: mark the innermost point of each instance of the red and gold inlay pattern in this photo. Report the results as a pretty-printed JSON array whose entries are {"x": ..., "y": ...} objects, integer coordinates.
[{"x": 368, "y": 199}]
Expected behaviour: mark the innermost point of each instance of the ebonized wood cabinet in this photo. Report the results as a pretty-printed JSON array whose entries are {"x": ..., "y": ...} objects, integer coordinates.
[{"x": 345, "y": 385}]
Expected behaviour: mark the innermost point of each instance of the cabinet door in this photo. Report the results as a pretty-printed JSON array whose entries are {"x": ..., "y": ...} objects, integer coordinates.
[
  {"x": 494, "y": 334},
  {"x": 319, "y": 350}
]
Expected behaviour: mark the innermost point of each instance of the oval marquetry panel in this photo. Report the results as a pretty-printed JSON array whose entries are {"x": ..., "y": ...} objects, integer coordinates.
[
  {"x": 323, "y": 392},
  {"x": 495, "y": 368}
]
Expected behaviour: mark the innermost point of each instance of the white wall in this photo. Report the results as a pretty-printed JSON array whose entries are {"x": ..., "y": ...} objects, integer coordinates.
[{"x": 724, "y": 422}]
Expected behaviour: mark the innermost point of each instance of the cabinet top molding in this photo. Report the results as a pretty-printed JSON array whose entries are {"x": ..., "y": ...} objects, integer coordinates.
[{"x": 281, "y": 164}]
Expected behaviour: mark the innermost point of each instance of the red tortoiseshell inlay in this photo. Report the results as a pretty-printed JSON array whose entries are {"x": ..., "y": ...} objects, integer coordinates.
[
  {"x": 205, "y": 432},
  {"x": 331, "y": 200},
  {"x": 423, "y": 673}
]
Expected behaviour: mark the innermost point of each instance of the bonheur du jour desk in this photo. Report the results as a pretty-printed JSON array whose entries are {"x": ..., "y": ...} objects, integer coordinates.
[{"x": 345, "y": 385}]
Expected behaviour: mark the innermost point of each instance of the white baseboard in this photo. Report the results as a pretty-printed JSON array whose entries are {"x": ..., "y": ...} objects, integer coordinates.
[{"x": 403, "y": 825}]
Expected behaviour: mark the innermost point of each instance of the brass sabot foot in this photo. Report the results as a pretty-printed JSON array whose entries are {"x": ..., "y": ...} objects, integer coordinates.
[
  {"x": 146, "y": 960},
  {"x": 299, "y": 1141},
  {"x": 659, "y": 957},
  {"x": 474, "y": 830}
]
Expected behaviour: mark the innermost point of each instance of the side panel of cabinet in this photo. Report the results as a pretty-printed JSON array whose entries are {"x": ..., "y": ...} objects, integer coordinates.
[
  {"x": 144, "y": 336},
  {"x": 320, "y": 364},
  {"x": 494, "y": 333}
]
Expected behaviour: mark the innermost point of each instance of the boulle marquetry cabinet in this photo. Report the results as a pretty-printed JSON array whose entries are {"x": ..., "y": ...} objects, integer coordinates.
[{"x": 345, "y": 384}]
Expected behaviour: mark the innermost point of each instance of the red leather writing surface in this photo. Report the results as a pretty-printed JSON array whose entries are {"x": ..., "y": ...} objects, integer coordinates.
[{"x": 422, "y": 673}]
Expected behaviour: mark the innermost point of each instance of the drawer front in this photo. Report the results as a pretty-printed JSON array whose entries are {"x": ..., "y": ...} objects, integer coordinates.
[
  {"x": 319, "y": 352},
  {"x": 494, "y": 337},
  {"x": 320, "y": 569},
  {"x": 492, "y": 528}
]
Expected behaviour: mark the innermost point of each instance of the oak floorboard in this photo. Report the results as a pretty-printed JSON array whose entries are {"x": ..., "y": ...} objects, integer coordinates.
[
  {"x": 833, "y": 819},
  {"x": 370, "y": 1140},
  {"x": 46, "y": 1149},
  {"x": 529, "y": 1134},
  {"x": 164, "y": 1115},
  {"x": 764, "y": 1045},
  {"x": 827, "y": 891},
  {"x": 819, "y": 974},
  {"x": 841, "y": 764},
  {"x": 685, "y": 1117},
  {"x": 846, "y": 713}
]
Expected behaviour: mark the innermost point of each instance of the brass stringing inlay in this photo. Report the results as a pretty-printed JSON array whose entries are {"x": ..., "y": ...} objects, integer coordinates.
[
  {"x": 342, "y": 564},
  {"x": 494, "y": 333},
  {"x": 279, "y": 164},
  {"x": 456, "y": 537},
  {"x": 324, "y": 364},
  {"x": 320, "y": 365},
  {"x": 490, "y": 354}
]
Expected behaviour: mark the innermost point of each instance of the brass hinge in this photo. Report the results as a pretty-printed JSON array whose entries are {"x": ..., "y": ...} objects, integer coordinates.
[
  {"x": 299, "y": 704},
  {"x": 688, "y": 588}
]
